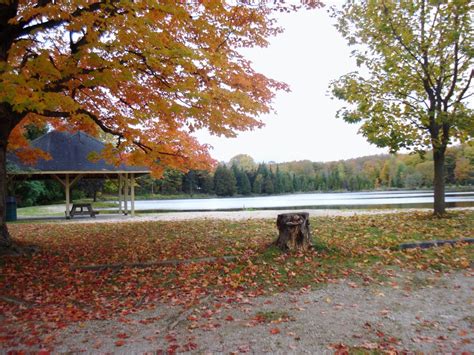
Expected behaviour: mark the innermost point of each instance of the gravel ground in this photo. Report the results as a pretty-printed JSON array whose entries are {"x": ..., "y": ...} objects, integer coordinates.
[{"x": 416, "y": 312}]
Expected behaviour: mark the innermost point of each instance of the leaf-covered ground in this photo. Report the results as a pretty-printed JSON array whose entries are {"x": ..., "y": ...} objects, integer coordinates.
[{"x": 46, "y": 291}]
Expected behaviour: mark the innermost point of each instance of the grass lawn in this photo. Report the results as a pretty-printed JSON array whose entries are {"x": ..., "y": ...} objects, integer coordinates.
[{"x": 45, "y": 291}]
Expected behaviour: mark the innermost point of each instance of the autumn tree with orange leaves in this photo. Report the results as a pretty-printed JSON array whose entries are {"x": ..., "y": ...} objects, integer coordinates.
[{"x": 148, "y": 72}]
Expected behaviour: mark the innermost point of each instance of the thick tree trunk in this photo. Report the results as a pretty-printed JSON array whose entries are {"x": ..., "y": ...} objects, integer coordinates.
[
  {"x": 5, "y": 239},
  {"x": 439, "y": 182},
  {"x": 8, "y": 121},
  {"x": 294, "y": 231}
]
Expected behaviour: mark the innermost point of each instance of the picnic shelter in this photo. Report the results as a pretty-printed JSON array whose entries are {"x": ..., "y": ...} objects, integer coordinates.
[{"x": 71, "y": 161}]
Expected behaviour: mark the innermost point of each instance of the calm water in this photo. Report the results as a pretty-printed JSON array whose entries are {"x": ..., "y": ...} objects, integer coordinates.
[{"x": 390, "y": 199}]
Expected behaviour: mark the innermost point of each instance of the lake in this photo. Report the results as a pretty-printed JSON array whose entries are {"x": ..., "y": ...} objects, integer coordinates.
[{"x": 386, "y": 199}]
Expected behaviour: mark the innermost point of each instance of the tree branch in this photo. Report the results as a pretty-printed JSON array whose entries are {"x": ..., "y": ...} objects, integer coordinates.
[
  {"x": 464, "y": 90},
  {"x": 456, "y": 66},
  {"x": 146, "y": 149},
  {"x": 56, "y": 22},
  {"x": 427, "y": 82}
]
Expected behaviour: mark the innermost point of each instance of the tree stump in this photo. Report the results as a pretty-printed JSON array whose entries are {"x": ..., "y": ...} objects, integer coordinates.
[{"x": 294, "y": 231}]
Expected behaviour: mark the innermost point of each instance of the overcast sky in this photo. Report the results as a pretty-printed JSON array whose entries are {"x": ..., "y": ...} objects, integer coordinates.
[{"x": 307, "y": 56}]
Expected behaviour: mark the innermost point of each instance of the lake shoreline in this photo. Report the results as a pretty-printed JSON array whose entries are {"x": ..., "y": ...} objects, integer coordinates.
[
  {"x": 160, "y": 197},
  {"x": 348, "y": 200},
  {"x": 375, "y": 200},
  {"x": 226, "y": 215}
]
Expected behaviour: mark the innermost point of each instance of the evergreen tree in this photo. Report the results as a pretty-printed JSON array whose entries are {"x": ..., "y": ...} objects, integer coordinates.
[
  {"x": 257, "y": 184},
  {"x": 268, "y": 185},
  {"x": 205, "y": 182},
  {"x": 296, "y": 184},
  {"x": 224, "y": 181},
  {"x": 262, "y": 170},
  {"x": 245, "y": 188},
  {"x": 171, "y": 182},
  {"x": 287, "y": 182},
  {"x": 278, "y": 184},
  {"x": 238, "y": 173},
  {"x": 190, "y": 182}
]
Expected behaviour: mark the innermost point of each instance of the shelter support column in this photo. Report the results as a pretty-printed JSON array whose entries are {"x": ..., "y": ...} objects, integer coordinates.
[
  {"x": 120, "y": 188},
  {"x": 132, "y": 194},
  {"x": 67, "y": 187},
  {"x": 125, "y": 195},
  {"x": 67, "y": 183}
]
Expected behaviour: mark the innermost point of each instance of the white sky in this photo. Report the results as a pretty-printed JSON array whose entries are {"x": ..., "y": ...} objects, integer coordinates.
[{"x": 307, "y": 56}]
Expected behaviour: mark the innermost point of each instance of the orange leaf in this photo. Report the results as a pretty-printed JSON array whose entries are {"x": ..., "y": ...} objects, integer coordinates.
[{"x": 119, "y": 342}]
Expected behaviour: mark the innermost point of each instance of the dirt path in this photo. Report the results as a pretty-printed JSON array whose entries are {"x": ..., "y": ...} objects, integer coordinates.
[{"x": 424, "y": 312}]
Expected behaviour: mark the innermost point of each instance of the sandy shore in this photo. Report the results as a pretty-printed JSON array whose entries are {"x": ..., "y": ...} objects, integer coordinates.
[{"x": 226, "y": 215}]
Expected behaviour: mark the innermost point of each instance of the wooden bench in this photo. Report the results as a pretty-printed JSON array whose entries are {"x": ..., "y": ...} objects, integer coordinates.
[{"x": 82, "y": 209}]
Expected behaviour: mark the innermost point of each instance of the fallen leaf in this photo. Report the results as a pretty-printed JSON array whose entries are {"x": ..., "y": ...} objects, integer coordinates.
[
  {"x": 190, "y": 346},
  {"x": 120, "y": 343},
  {"x": 369, "y": 346},
  {"x": 244, "y": 348}
]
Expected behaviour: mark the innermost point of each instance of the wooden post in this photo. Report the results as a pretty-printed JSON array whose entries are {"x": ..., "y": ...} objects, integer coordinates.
[
  {"x": 132, "y": 193},
  {"x": 125, "y": 195},
  {"x": 120, "y": 183},
  {"x": 67, "y": 183},
  {"x": 67, "y": 187},
  {"x": 294, "y": 233}
]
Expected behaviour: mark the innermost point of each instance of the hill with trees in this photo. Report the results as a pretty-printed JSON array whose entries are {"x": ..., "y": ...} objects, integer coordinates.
[
  {"x": 242, "y": 176},
  {"x": 402, "y": 171}
]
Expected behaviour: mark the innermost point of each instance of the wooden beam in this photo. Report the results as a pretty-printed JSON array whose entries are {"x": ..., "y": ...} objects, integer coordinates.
[
  {"x": 59, "y": 179},
  {"x": 118, "y": 266},
  {"x": 435, "y": 243},
  {"x": 67, "y": 184},
  {"x": 76, "y": 179}
]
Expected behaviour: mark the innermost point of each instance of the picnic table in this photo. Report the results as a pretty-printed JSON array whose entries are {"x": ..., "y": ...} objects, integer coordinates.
[{"x": 82, "y": 209}]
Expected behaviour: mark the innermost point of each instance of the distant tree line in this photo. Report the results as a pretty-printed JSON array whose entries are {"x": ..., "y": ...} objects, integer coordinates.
[{"x": 242, "y": 176}]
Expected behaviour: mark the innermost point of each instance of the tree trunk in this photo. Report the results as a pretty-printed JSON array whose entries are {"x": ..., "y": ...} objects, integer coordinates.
[
  {"x": 5, "y": 239},
  {"x": 294, "y": 231},
  {"x": 8, "y": 121},
  {"x": 439, "y": 182}
]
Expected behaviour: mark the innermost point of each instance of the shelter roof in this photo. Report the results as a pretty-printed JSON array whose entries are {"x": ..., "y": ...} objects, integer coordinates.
[{"x": 70, "y": 153}]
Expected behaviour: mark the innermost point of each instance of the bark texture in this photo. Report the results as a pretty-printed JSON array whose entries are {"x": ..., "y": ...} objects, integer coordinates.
[
  {"x": 439, "y": 182},
  {"x": 294, "y": 231},
  {"x": 5, "y": 240},
  {"x": 8, "y": 121}
]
